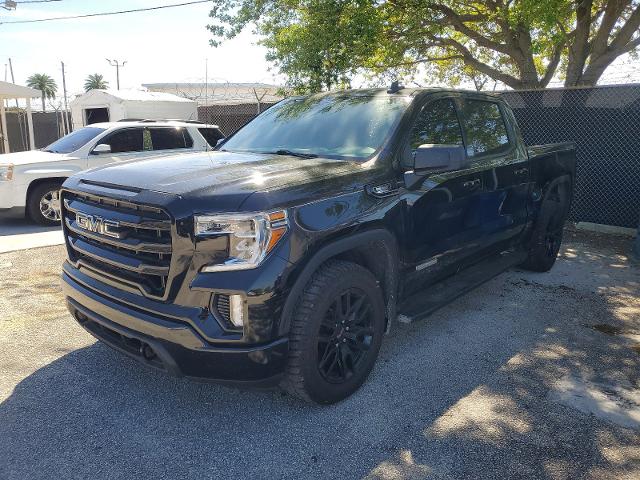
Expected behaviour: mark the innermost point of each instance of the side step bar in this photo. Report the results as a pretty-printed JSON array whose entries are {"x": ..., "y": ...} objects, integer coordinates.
[{"x": 436, "y": 296}]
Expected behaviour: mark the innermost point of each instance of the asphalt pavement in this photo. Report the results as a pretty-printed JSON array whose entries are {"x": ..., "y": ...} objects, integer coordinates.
[{"x": 529, "y": 376}]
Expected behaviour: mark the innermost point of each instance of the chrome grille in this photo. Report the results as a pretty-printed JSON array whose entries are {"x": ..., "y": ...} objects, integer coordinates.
[{"x": 139, "y": 257}]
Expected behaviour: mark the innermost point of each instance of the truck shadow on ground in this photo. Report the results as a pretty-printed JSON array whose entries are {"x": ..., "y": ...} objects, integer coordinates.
[{"x": 468, "y": 393}]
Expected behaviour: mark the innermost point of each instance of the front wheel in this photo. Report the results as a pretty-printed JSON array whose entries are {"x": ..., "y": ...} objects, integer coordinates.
[
  {"x": 336, "y": 333},
  {"x": 43, "y": 204}
]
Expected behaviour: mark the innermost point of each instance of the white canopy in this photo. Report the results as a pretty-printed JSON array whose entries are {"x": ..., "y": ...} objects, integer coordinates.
[{"x": 11, "y": 90}]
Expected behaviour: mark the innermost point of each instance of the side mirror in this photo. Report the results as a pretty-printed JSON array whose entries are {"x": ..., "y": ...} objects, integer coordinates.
[
  {"x": 438, "y": 157},
  {"x": 101, "y": 148},
  {"x": 430, "y": 158},
  {"x": 220, "y": 141}
]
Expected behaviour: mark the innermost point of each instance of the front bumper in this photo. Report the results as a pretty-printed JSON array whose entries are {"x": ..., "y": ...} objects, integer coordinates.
[
  {"x": 171, "y": 345},
  {"x": 13, "y": 194}
]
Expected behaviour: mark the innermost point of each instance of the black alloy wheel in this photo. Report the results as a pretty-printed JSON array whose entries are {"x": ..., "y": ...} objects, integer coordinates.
[{"x": 346, "y": 333}]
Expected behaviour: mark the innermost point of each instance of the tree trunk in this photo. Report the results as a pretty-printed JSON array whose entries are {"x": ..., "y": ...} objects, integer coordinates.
[{"x": 43, "y": 102}]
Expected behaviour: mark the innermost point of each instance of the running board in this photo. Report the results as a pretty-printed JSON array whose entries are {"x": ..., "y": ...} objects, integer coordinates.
[{"x": 435, "y": 296}]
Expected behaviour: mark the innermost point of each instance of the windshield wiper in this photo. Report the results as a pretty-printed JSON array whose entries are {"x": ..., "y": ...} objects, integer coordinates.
[{"x": 294, "y": 154}]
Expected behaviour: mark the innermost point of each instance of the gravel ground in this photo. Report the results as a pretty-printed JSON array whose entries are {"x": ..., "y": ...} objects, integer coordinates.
[{"x": 529, "y": 376}]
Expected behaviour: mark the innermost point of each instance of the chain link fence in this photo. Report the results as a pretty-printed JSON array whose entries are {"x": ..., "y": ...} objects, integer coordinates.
[
  {"x": 231, "y": 117},
  {"x": 47, "y": 128},
  {"x": 604, "y": 123}
]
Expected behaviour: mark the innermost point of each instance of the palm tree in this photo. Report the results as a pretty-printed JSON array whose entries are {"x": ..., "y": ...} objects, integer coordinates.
[
  {"x": 44, "y": 83},
  {"x": 95, "y": 81}
]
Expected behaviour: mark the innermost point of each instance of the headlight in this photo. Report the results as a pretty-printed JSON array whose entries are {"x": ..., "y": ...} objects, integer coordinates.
[
  {"x": 6, "y": 172},
  {"x": 251, "y": 236}
]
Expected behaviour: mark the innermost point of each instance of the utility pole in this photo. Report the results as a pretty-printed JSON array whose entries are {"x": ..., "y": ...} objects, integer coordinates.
[
  {"x": 65, "y": 118},
  {"x": 23, "y": 133},
  {"x": 115, "y": 63}
]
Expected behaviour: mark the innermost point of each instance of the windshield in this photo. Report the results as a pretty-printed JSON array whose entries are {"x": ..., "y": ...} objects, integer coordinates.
[
  {"x": 333, "y": 126},
  {"x": 73, "y": 141}
]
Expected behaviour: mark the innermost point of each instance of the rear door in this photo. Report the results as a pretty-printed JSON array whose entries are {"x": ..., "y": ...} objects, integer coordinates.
[
  {"x": 492, "y": 147},
  {"x": 169, "y": 140}
]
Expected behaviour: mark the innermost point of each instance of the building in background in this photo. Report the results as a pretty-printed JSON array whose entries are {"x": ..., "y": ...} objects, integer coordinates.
[
  {"x": 113, "y": 105},
  {"x": 220, "y": 93}
]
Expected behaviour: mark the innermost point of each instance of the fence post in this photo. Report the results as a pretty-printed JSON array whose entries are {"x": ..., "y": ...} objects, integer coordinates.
[{"x": 635, "y": 248}]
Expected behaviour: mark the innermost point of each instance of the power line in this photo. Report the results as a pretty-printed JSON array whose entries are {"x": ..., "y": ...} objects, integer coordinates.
[
  {"x": 38, "y": 1},
  {"x": 38, "y": 20}
]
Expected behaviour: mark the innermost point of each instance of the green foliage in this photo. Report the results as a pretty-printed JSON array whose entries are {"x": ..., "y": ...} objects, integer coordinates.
[
  {"x": 523, "y": 43},
  {"x": 95, "y": 81},
  {"x": 44, "y": 83}
]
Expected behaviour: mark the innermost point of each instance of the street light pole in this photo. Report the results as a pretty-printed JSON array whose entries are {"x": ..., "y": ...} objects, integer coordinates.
[
  {"x": 65, "y": 118},
  {"x": 115, "y": 63}
]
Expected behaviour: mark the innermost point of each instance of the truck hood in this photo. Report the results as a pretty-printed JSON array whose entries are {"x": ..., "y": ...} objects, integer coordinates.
[
  {"x": 32, "y": 157},
  {"x": 218, "y": 173}
]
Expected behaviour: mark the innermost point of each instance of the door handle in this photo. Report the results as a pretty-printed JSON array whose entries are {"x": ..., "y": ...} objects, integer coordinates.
[
  {"x": 521, "y": 171},
  {"x": 469, "y": 184}
]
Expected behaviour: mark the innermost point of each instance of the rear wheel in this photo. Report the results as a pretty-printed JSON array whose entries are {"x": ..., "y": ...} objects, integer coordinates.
[
  {"x": 43, "y": 204},
  {"x": 336, "y": 333},
  {"x": 546, "y": 238}
]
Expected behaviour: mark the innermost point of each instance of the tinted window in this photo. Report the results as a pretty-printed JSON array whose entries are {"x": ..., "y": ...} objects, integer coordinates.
[
  {"x": 75, "y": 140},
  {"x": 170, "y": 138},
  {"x": 485, "y": 128},
  {"x": 128, "y": 140},
  {"x": 330, "y": 125},
  {"x": 437, "y": 123},
  {"x": 211, "y": 135}
]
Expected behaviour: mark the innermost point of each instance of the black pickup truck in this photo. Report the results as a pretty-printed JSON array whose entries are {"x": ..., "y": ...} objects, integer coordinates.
[{"x": 282, "y": 257}]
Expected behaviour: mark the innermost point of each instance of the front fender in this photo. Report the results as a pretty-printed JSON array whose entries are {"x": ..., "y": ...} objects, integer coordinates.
[{"x": 377, "y": 237}]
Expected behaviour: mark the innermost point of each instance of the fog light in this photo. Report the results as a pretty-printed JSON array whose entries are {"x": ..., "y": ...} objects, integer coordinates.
[{"x": 236, "y": 307}]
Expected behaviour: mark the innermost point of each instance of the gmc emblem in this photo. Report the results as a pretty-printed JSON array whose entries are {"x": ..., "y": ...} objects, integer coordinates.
[{"x": 96, "y": 224}]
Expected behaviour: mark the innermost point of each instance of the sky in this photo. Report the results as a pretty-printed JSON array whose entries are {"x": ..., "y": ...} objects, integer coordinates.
[{"x": 169, "y": 45}]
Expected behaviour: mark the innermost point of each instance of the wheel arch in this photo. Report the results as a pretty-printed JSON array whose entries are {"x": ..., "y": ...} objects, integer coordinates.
[
  {"x": 565, "y": 180},
  {"x": 39, "y": 181},
  {"x": 375, "y": 249}
]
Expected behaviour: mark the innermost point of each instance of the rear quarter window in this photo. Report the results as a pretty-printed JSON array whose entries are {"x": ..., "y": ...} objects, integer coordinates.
[{"x": 211, "y": 135}]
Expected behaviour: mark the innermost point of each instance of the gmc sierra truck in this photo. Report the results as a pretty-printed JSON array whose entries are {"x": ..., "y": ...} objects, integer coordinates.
[{"x": 282, "y": 257}]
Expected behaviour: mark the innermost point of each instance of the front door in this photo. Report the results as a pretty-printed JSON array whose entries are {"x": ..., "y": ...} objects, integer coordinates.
[
  {"x": 443, "y": 219},
  {"x": 124, "y": 144}
]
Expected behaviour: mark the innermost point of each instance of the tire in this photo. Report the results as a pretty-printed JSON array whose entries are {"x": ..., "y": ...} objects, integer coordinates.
[
  {"x": 546, "y": 237},
  {"x": 336, "y": 333},
  {"x": 43, "y": 204}
]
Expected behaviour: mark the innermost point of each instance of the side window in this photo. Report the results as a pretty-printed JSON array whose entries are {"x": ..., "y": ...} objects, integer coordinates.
[
  {"x": 437, "y": 123},
  {"x": 128, "y": 140},
  {"x": 485, "y": 128},
  {"x": 211, "y": 135},
  {"x": 170, "y": 138}
]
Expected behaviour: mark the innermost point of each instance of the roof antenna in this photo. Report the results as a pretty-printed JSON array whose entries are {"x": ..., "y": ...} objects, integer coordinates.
[{"x": 395, "y": 87}]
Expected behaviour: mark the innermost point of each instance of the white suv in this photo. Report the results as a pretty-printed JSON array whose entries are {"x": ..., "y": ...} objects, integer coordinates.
[{"x": 30, "y": 181}]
